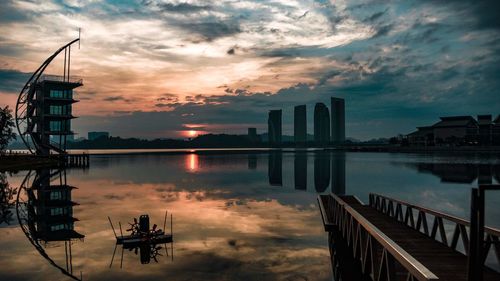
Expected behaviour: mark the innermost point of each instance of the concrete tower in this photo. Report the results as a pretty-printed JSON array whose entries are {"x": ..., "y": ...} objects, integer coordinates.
[
  {"x": 338, "y": 120},
  {"x": 300, "y": 124}
]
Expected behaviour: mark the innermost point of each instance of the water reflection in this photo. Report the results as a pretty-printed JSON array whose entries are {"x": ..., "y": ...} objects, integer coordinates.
[
  {"x": 275, "y": 168},
  {"x": 321, "y": 171},
  {"x": 44, "y": 209},
  {"x": 300, "y": 170},
  {"x": 7, "y": 203},
  {"x": 229, "y": 223},
  {"x": 460, "y": 172}
]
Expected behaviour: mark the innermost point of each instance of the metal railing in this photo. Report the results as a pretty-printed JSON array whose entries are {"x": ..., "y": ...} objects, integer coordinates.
[
  {"x": 380, "y": 257},
  {"x": 404, "y": 212},
  {"x": 59, "y": 78}
]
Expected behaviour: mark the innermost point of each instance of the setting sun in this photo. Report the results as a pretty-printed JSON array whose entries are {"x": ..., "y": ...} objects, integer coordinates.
[{"x": 191, "y": 133}]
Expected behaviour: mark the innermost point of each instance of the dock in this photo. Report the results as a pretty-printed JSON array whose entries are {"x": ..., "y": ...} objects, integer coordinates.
[{"x": 389, "y": 239}]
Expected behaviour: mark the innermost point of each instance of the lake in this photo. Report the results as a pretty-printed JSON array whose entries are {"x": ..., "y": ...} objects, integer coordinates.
[{"x": 237, "y": 215}]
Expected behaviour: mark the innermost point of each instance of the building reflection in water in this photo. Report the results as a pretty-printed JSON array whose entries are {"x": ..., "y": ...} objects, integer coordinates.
[
  {"x": 252, "y": 161},
  {"x": 460, "y": 172},
  {"x": 44, "y": 208},
  {"x": 300, "y": 170},
  {"x": 321, "y": 170},
  {"x": 338, "y": 173},
  {"x": 326, "y": 164},
  {"x": 275, "y": 168}
]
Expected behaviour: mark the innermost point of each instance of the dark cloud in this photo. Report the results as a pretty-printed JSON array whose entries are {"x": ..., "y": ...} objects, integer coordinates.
[
  {"x": 116, "y": 98},
  {"x": 375, "y": 16},
  {"x": 183, "y": 8},
  {"x": 211, "y": 30},
  {"x": 9, "y": 13},
  {"x": 383, "y": 30},
  {"x": 12, "y": 81}
]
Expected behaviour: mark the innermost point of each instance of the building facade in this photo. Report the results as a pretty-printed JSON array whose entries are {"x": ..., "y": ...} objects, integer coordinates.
[
  {"x": 458, "y": 130},
  {"x": 321, "y": 124},
  {"x": 338, "y": 120},
  {"x": 274, "y": 127},
  {"x": 300, "y": 124},
  {"x": 53, "y": 112}
]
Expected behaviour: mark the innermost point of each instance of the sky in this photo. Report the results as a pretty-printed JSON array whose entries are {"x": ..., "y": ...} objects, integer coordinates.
[{"x": 161, "y": 68}]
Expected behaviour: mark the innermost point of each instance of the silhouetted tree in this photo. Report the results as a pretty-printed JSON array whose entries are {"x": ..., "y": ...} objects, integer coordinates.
[{"x": 6, "y": 128}]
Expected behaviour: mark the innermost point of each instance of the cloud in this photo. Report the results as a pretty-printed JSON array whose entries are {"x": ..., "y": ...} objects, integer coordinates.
[
  {"x": 12, "y": 81},
  {"x": 182, "y": 8}
]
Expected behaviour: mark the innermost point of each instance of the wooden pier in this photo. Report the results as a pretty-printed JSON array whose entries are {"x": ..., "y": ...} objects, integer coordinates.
[
  {"x": 76, "y": 160},
  {"x": 390, "y": 239}
]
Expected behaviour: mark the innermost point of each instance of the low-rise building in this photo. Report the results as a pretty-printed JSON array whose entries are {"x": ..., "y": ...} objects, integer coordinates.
[{"x": 458, "y": 130}]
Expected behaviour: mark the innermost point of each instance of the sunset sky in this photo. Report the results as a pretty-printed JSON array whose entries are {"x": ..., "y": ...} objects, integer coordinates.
[{"x": 160, "y": 68}]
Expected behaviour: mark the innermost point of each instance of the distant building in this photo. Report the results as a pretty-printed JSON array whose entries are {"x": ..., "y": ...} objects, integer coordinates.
[
  {"x": 423, "y": 136},
  {"x": 338, "y": 120},
  {"x": 458, "y": 130},
  {"x": 321, "y": 124},
  {"x": 97, "y": 135},
  {"x": 274, "y": 127},
  {"x": 455, "y": 130},
  {"x": 252, "y": 135},
  {"x": 300, "y": 124},
  {"x": 485, "y": 133}
]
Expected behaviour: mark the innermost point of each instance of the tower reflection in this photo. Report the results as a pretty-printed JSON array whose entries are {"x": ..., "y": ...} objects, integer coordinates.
[
  {"x": 321, "y": 170},
  {"x": 275, "y": 168},
  {"x": 44, "y": 209},
  {"x": 338, "y": 173},
  {"x": 300, "y": 170}
]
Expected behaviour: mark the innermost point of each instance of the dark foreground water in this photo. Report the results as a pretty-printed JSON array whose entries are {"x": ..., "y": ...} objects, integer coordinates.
[{"x": 235, "y": 216}]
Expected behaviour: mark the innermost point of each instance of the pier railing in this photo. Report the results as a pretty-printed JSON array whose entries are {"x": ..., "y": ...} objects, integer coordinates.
[
  {"x": 380, "y": 257},
  {"x": 405, "y": 212}
]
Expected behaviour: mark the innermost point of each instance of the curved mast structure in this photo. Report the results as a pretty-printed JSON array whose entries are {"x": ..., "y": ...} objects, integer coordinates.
[{"x": 29, "y": 110}]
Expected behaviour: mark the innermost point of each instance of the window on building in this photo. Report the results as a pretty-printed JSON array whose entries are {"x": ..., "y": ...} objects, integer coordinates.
[
  {"x": 61, "y": 94},
  {"x": 60, "y": 126},
  {"x": 56, "y": 195},
  {"x": 61, "y": 226},
  {"x": 57, "y": 211}
]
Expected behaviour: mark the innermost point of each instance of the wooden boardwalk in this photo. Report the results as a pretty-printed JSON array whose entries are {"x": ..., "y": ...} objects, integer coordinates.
[{"x": 391, "y": 243}]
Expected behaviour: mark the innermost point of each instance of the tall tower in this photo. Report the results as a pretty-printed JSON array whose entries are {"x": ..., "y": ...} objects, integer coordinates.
[
  {"x": 300, "y": 124},
  {"x": 44, "y": 107},
  {"x": 321, "y": 124},
  {"x": 338, "y": 120},
  {"x": 274, "y": 127}
]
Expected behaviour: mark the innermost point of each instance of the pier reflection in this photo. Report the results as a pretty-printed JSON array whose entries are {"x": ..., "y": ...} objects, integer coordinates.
[{"x": 44, "y": 209}]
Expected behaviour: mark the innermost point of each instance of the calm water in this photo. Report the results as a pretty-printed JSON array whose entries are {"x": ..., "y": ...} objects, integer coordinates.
[{"x": 235, "y": 216}]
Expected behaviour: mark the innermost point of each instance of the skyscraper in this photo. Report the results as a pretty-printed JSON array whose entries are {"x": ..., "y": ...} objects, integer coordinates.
[
  {"x": 338, "y": 120},
  {"x": 274, "y": 127},
  {"x": 321, "y": 124},
  {"x": 300, "y": 124}
]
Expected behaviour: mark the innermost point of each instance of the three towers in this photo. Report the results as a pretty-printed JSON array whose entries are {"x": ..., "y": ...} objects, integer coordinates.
[{"x": 328, "y": 127}]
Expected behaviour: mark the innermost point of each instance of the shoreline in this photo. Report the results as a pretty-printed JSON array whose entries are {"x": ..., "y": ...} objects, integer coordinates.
[{"x": 23, "y": 161}]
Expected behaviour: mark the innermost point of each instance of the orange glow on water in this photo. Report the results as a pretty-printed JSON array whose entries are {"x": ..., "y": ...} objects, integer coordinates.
[{"x": 192, "y": 162}]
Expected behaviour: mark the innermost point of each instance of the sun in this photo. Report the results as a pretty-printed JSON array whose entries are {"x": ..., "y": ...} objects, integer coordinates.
[{"x": 191, "y": 133}]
